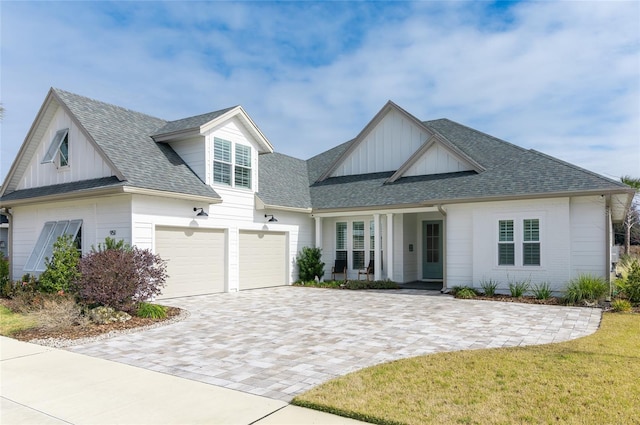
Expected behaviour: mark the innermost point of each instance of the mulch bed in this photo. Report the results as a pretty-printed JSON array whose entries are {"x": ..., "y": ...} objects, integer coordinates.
[{"x": 92, "y": 329}]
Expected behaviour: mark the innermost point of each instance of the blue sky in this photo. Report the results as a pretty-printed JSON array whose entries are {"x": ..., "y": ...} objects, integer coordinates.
[{"x": 559, "y": 77}]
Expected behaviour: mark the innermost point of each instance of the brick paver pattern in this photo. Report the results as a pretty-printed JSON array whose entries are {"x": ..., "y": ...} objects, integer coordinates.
[{"x": 280, "y": 342}]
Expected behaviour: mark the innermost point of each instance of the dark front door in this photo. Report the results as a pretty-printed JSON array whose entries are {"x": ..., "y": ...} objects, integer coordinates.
[{"x": 432, "y": 250}]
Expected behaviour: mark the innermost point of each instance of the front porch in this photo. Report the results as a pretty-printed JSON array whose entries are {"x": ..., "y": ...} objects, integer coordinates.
[{"x": 405, "y": 246}]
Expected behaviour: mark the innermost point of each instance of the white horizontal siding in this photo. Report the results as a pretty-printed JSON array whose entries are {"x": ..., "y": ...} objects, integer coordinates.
[
  {"x": 99, "y": 216},
  {"x": 85, "y": 162},
  {"x": 385, "y": 148}
]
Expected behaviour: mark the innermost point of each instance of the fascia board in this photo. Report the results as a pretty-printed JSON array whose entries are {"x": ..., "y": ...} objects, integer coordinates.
[
  {"x": 248, "y": 123},
  {"x": 11, "y": 175},
  {"x": 172, "y": 195},
  {"x": 261, "y": 205},
  {"x": 176, "y": 135}
]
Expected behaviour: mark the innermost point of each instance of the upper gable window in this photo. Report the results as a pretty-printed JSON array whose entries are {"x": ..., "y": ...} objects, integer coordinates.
[
  {"x": 231, "y": 163},
  {"x": 58, "y": 152}
]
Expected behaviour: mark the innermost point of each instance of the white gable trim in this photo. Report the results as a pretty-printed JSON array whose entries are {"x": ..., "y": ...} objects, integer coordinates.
[
  {"x": 261, "y": 205},
  {"x": 420, "y": 153},
  {"x": 36, "y": 132},
  {"x": 389, "y": 106}
]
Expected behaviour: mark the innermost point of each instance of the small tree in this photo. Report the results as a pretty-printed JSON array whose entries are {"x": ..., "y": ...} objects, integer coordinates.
[
  {"x": 121, "y": 278},
  {"x": 632, "y": 218},
  {"x": 62, "y": 267},
  {"x": 310, "y": 264}
]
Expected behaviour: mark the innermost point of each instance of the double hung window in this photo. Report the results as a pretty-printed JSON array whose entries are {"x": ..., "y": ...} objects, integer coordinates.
[
  {"x": 358, "y": 244},
  {"x": 519, "y": 242},
  {"x": 341, "y": 241},
  {"x": 231, "y": 164}
]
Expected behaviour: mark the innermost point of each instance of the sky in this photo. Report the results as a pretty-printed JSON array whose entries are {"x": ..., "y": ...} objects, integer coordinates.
[{"x": 559, "y": 77}]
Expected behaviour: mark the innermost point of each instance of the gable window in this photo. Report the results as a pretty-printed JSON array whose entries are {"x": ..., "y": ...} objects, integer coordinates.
[
  {"x": 58, "y": 152},
  {"x": 231, "y": 163},
  {"x": 531, "y": 243},
  {"x": 341, "y": 241},
  {"x": 358, "y": 244},
  {"x": 48, "y": 236},
  {"x": 506, "y": 244}
]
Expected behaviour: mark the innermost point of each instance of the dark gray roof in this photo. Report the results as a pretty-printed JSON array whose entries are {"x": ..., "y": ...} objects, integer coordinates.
[
  {"x": 124, "y": 136},
  {"x": 63, "y": 188},
  {"x": 283, "y": 181},
  {"x": 510, "y": 172},
  {"x": 191, "y": 122}
]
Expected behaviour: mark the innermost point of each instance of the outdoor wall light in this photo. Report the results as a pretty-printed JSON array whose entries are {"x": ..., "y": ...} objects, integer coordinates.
[
  {"x": 201, "y": 213},
  {"x": 272, "y": 219}
]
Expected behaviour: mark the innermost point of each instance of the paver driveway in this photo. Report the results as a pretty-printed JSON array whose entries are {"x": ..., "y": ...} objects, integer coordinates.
[{"x": 279, "y": 342}]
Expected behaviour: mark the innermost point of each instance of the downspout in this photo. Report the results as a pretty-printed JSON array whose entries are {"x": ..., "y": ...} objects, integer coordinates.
[
  {"x": 6, "y": 212},
  {"x": 444, "y": 248}
]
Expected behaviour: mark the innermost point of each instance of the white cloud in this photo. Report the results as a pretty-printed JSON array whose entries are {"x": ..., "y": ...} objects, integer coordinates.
[{"x": 557, "y": 77}]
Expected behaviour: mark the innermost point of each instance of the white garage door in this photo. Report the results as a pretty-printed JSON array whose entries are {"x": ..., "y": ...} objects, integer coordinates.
[
  {"x": 263, "y": 259},
  {"x": 195, "y": 260}
]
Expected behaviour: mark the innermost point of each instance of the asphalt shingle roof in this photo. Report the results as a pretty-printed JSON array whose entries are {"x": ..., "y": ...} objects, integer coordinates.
[
  {"x": 283, "y": 181},
  {"x": 125, "y": 137},
  {"x": 67, "y": 188},
  {"x": 191, "y": 122}
]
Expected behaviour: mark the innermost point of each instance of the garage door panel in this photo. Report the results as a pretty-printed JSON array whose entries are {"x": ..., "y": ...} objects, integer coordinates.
[
  {"x": 263, "y": 259},
  {"x": 195, "y": 260}
]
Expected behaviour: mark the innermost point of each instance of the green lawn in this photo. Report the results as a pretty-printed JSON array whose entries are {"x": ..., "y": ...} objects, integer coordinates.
[
  {"x": 13, "y": 322},
  {"x": 591, "y": 380}
]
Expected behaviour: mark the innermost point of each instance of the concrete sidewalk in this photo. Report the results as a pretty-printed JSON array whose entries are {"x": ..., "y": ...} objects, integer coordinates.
[{"x": 41, "y": 385}]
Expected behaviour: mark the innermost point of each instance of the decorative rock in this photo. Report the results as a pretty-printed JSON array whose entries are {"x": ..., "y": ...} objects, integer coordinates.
[{"x": 102, "y": 315}]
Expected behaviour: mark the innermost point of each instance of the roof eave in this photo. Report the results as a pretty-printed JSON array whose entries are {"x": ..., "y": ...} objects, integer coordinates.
[{"x": 261, "y": 205}]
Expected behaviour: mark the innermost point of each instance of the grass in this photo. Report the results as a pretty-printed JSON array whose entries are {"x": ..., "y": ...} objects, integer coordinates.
[
  {"x": 11, "y": 322},
  {"x": 591, "y": 380}
]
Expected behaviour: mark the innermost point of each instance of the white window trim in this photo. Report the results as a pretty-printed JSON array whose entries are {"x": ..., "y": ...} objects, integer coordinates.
[
  {"x": 518, "y": 241},
  {"x": 233, "y": 165},
  {"x": 349, "y": 240},
  {"x": 43, "y": 247}
]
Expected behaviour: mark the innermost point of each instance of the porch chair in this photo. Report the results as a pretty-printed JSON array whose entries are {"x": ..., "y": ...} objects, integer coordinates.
[
  {"x": 366, "y": 272},
  {"x": 340, "y": 267}
]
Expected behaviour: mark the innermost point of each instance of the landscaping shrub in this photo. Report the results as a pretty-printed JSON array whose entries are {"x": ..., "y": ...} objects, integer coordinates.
[
  {"x": 121, "y": 278},
  {"x": 542, "y": 291},
  {"x": 4, "y": 275},
  {"x": 630, "y": 286},
  {"x": 310, "y": 265},
  {"x": 55, "y": 311},
  {"x": 489, "y": 287},
  {"x": 518, "y": 288},
  {"x": 151, "y": 311},
  {"x": 62, "y": 267},
  {"x": 366, "y": 284},
  {"x": 586, "y": 287},
  {"x": 466, "y": 293},
  {"x": 110, "y": 243},
  {"x": 621, "y": 305}
]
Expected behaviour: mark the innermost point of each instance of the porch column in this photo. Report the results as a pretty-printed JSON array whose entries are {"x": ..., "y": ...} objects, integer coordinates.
[
  {"x": 377, "y": 245},
  {"x": 390, "y": 246},
  {"x": 318, "y": 232}
]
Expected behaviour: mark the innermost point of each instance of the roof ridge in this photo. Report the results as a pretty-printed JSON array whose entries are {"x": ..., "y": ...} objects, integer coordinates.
[
  {"x": 475, "y": 131},
  {"x": 204, "y": 114},
  {"x": 66, "y": 92}
]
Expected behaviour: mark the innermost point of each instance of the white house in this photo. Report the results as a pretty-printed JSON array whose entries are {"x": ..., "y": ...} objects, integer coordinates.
[{"x": 422, "y": 201}]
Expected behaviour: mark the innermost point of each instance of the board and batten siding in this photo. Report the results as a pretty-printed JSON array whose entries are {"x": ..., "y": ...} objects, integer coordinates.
[
  {"x": 85, "y": 162},
  {"x": 385, "y": 148},
  {"x": 99, "y": 216},
  {"x": 436, "y": 160}
]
